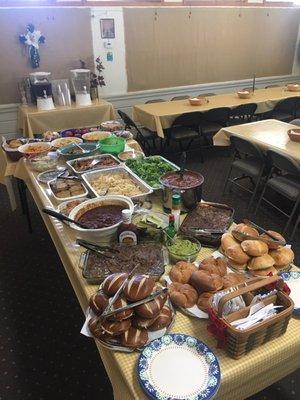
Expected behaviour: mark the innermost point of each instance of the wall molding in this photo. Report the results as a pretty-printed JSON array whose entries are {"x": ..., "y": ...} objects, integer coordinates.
[{"x": 125, "y": 102}]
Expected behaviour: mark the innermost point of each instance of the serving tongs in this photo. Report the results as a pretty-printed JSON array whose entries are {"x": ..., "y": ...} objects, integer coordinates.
[
  {"x": 137, "y": 303},
  {"x": 243, "y": 236},
  {"x": 101, "y": 250},
  {"x": 207, "y": 232},
  {"x": 62, "y": 217}
]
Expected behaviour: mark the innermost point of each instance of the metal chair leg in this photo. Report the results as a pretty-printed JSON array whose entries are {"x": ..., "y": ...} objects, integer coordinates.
[
  {"x": 260, "y": 199},
  {"x": 227, "y": 179},
  {"x": 291, "y": 215}
]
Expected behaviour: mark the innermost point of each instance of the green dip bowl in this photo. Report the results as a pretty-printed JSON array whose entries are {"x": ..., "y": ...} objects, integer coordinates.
[{"x": 184, "y": 248}]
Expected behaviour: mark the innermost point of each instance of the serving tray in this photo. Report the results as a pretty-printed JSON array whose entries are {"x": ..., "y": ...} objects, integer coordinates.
[{"x": 209, "y": 239}]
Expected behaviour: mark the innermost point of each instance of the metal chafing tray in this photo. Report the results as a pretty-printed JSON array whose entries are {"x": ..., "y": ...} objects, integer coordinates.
[
  {"x": 88, "y": 177},
  {"x": 71, "y": 163}
]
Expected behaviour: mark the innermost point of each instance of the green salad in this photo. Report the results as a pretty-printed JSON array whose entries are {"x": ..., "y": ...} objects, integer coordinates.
[{"x": 150, "y": 169}]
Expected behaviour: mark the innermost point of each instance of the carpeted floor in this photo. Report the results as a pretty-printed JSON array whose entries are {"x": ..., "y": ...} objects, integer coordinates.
[{"x": 42, "y": 354}]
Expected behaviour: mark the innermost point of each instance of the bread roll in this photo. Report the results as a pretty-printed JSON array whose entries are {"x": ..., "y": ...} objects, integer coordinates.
[
  {"x": 203, "y": 301},
  {"x": 282, "y": 256},
  {"x": 236, "y": 254},
  {"x": 95, "y": 328},
  {"x": 115, "y": 328},
  {"x": 163, "y": 320},
  {"x": 247, "y": 230},
  {"x": 183, "y": 295},
  {"x": 263, "y": 272},
  {"x": 227, "y": 240},
  {"x": 213, "y": 265},
  {"x": 233, "y": 279},
  {"x": 254, "y": 248},
  {"x": 278, "y": 236},
  {"x": 182, "y": 271},
  {"x": 261, "y": 262},
  {"x": 113, "y": 282},
  {"x": 139, "y": 322},
  {"x": 202, "y": 281},
  {"x": 153, "y": 307},
  {"x": 134, "y": 337},
  {"x": 138, "y": 287},
  {"x": 120, "y": 302},
  {"x": 98, "y": 302},
  {"x": 239, "y": 267}
]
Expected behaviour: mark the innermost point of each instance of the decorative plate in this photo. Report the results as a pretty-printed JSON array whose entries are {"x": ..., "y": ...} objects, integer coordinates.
[
  {"x": 292, "y": 278},
  {"x": 180, "y": 367}
]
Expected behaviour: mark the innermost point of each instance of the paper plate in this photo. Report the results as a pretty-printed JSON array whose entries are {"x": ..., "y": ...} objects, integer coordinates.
[
  {"x": 292, "y": 278},
  {"x": 178, "y": 366}
]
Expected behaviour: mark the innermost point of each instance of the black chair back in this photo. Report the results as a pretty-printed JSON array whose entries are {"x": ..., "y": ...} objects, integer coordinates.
[
  {"x": 283, "y": 163},
  {"x": 189, "y": 120},
  {"x": 154, "y": 101},
  {"x": 218, "y": 115},
  {"x": 246, "y": 148},
  {"x": 127, "y": 120},
  {"x": 243, "y": 111},
  {"x": 286, "y": 106}
]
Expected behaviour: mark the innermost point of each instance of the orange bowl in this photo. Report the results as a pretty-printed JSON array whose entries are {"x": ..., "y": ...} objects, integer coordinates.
[
  {"x": 293, "y": 87},
  {"x": 294, "y": 134},
  {"x": 197, "y": 101},
  {"x": 245, "y": 94}
]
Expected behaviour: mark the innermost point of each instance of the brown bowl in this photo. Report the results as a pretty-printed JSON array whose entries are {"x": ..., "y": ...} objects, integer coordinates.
[
  {"x": 245, "y": 94},
  {"x": 294, "y": 134}
]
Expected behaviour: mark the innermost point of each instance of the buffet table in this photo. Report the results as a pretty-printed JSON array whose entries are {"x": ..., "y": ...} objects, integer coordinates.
[
  {"x": 160, "y": 116},
  {"x": 268, "y": 134},
  {"x": 31, "y": 121},
  {"x": 240, "y": 378}
]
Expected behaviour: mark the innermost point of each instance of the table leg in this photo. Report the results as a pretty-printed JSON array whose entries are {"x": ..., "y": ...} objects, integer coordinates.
[
  {"x": 10, "y": 192},
  {"x": 24, "y": 202}
]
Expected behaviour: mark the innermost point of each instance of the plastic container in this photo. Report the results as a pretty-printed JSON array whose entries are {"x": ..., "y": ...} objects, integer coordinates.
[
  {"x": 67, "y": 151},
  {"x": 44, "y": 162},
  {"x": 112, "y": 145}
]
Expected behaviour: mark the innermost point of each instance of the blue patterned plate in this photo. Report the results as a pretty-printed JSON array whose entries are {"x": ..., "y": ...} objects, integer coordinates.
[
  {"x": 292, "y": 278},
  {"x": 180, "y": 367}
]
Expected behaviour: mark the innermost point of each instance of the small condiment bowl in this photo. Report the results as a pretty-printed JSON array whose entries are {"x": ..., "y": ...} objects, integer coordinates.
[
  {"x": 294, "y": 134},
  {"x": 244, "y": 94},
  {"x": 175, "y": 256},
  {"x": 125, "y": 155}
]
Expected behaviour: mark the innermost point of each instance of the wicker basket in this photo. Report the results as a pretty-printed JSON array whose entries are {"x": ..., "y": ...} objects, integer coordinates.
[{"x": 237, "y": 342}]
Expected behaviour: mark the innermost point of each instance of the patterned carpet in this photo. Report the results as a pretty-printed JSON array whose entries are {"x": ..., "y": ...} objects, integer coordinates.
[{"x": 42, "y": 354}]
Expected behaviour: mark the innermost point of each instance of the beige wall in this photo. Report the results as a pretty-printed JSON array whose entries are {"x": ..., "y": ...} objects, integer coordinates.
[
  {"x": 68, "y": 39},
  {"x": 167, "y": 47}
]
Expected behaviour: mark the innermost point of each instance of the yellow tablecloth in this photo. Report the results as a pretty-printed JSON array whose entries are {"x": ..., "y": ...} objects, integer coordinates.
[
  {"x": 31, "y": 121},
  {"x": 159, "y": 116},
  {"x": 267, "y": 134},
  {"x": 240, "y": 379}
]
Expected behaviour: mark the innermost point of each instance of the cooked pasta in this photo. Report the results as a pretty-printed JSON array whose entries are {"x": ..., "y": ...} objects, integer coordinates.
[{"x": 116, "y": 183}]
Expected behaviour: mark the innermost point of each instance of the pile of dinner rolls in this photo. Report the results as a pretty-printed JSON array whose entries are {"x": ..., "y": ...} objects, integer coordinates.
[
  {"x": 130, "y": 327},
  {"x": 192, "y": 286},
  {"x": 259, "y": 257}
]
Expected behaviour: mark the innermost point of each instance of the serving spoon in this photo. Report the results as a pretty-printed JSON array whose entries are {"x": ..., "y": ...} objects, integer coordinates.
[{"x": 62, "y": 217}]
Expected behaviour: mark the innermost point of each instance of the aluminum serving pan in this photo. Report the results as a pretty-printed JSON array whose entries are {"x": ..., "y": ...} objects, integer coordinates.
[
  {"x": 71, "y": 163},
  {"x": 88, "y": 177},
  {"x": 176, "y": 168}
]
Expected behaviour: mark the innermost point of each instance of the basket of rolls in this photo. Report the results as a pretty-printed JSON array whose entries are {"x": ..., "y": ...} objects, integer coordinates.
[
  {"x": 251, "y": 315},
  {"x": 191, "y": 286},
  {"x": 138, "y": 313},
  {"x": 261, "y": 254}
]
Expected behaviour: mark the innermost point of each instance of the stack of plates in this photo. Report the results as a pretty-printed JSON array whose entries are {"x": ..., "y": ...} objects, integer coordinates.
[{"x": 178, "y": 366}]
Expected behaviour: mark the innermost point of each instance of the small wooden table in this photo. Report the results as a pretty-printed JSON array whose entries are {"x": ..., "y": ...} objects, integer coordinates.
[
  {"x": 268, "y": 134},
  {"x": 31, "y": 121},
  {"x": 160, "y": 116}
]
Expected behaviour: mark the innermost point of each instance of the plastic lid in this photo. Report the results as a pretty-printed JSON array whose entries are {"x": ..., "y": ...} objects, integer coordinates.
[{"x": 176, "y": 199}]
